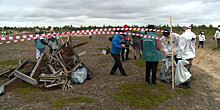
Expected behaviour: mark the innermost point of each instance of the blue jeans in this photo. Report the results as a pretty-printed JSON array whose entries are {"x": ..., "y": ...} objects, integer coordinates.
[
  {"x": 51, "y": 50},
  {"x": 41, "y": 50}
]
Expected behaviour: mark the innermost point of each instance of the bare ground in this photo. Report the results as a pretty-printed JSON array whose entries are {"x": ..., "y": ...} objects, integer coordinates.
[{"x": 205, "y": 86}]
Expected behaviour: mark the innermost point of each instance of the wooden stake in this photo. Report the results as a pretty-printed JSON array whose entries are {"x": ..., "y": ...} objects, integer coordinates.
[
  {"x": 60, "y": 39},
  {"x": 172, "y": 52}
]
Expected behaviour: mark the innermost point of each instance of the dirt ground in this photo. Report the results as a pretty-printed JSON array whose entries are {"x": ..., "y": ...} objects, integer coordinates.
[{"x": 205, "y": 70}]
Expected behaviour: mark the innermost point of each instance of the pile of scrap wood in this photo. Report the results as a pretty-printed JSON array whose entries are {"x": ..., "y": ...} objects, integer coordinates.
[{"x": 48, "y": 71}]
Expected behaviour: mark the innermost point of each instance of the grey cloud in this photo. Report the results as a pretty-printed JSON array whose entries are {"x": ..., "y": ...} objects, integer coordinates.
[{"x": 79, "y": 12}]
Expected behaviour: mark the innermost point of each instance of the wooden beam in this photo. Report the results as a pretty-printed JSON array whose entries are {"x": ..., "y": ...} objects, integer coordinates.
[
  {"x": 25, "y": 77},
  {"x": 36, "y": 66},
  {"x": 22, "y": 64},
  {"x": 61, "y": 63},
  {"x": 55, "y": 84}
]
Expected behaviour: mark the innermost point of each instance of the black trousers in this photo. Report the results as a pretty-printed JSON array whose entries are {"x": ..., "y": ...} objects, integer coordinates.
[
  {"x": 200, "y": 43},
  {"x": 123, "y": 51},
  {"x": 151, "y": 66},
  {"x": 117, "y": 64}
]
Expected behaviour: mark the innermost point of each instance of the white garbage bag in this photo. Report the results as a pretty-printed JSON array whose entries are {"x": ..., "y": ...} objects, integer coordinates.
[{"x": 182, "y": 74}]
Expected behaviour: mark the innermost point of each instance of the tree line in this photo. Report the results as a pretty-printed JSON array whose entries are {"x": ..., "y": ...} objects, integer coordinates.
[{"x": 208, "y": 30}]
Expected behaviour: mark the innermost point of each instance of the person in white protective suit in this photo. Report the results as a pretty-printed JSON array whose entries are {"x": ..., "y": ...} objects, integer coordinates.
[
  {"x": 186, "y": 46},
  {"x": 166, "y": 43},
  {"x": 201, "y": 39},
  {"x": 217, "y": 37},
  {"x": 186, "y": 51}
]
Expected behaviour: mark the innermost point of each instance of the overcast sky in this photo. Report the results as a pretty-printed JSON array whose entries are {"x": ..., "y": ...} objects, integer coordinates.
[{"x": 109, "y": 12}]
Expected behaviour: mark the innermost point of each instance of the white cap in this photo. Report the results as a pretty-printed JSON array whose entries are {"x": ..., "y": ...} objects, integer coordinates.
[
  {"x": 218, "y": 27},
  {"x": 202, "y": 32},
  {"x": 187, "y": 27}
]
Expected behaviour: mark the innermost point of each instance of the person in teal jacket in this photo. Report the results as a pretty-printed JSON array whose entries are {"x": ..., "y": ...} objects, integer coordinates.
[
  {"x": 40, "y": 43},
  {"x": 151, "y": 55},
  {"x": 116, "y": 47}
]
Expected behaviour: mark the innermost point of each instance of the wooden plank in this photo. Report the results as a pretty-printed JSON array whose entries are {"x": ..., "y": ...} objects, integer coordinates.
[
  {"x": 25, "y": 77},
  {"x": 58, "y": 71},
  {"x": 65, "y": 70},
  {"x": 22, "y": 64},
  {"x": 61, "y": 58},
  {"x": 51, "y": 67},
  {"x": 55, "y": 84},
  {"x": 36, "y": 66},
  {"x": 82, "y": 53},
  {"x": 5, "y": 72},
  {"x": 79, "y": 45},
  {"x": 10, "y": 85},
  {"x": 43, "y": 80}
]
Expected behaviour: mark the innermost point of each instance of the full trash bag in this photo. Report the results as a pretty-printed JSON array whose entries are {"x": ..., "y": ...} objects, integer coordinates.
[
  {"x": 166, "y": 70},
  {"x": 79, "y": 76}
]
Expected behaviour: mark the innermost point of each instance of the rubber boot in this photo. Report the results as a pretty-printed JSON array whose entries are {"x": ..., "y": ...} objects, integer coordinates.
[{"x": 135, "y": 58}]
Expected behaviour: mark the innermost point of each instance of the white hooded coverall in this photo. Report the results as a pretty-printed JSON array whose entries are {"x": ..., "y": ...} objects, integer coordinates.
[
  {"x": 167, "y": 43},
  {"x": 186, "y": 45}
]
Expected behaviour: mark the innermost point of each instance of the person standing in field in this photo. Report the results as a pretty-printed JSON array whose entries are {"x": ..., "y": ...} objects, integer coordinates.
[
  {"x": 186, "y": 46},
  {"x": 186, "y": 49},
  {"x": 116, "y": 47},
  {"x": 53, "y": 42},
  {"x": 166, "y": 43},
  {"x": 40, "y": 43},
  {"x": 136, "y": 44},
  {"x": 125, "y": 50},
  {"x": 217, "y": 37},
  {"x": 151, "y": 54},
  {"x": 201, "y": 39},
  {"x": 35, "y": 43}
]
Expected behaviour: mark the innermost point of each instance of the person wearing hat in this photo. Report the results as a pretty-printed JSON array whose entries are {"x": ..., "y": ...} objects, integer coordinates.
[
  {"x": 201, "y": 39},
  {"x": 166, "y": 43},
  {"x": 35, "y": 43},
  {"x": 125, "y": 50},
  {"x": 151, "y": 54},
  {"x": 40, "y": 43},
  {"x": 116, "y": 47},
  {"x": 217, "y": 37},
  {"x": 53, "y": 42},
  {"x": 186, "y": 46},
  {"x": 186, "y": 50}
]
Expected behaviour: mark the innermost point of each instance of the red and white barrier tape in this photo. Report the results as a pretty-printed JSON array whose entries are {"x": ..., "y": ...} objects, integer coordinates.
[
  {"x": 83, "y": 33},
  {"x": 80, "y": 31}
]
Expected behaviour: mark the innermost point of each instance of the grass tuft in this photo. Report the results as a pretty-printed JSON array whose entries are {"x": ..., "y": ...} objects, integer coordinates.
[
  {"x": 142, "y": 95},
  {"x": 94, "y": 55},
  {"x": 140, "y": 63},
  {"x": 102, "y": 48},
  {"x": 10, "y": 62},
  {"x": 62, "y": 102},
  {"x": 216, "y": 48},
  {"x": 25, "y": 88},
  {"x": 130, "y": 72}
]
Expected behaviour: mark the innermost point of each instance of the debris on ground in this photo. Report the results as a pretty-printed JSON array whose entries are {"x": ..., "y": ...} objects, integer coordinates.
[{"x": 50, "y": 71}]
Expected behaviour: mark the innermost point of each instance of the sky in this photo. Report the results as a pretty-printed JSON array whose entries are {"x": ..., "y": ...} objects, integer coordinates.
[{"x": 30, "y": 13}]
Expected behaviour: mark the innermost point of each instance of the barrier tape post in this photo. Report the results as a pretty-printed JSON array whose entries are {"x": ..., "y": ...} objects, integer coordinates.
[{"x": 172, "y": 52}]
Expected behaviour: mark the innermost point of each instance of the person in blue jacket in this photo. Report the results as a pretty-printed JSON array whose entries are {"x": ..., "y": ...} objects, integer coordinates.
[
  {"x": 151, "y": 54},
  {"x": 116, "y": 47}
]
